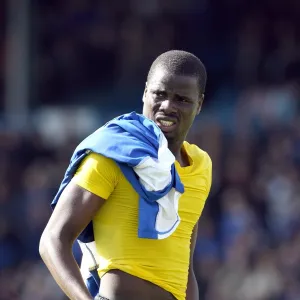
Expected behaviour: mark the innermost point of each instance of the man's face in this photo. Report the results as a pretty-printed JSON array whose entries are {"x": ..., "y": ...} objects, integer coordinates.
[{"x": 172, "y": 102}]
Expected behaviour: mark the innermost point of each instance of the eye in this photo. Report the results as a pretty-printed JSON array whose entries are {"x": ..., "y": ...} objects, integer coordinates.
[
  {"x": 181, "y": 99},
  {"x": 159, "y": 94}
]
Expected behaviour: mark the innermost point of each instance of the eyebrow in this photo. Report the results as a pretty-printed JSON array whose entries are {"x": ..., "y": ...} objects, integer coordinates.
[{"x": 163, "y": 89}]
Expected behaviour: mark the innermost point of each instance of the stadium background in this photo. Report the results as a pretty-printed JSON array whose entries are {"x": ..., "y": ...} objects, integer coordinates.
[{"x": 68, "y": 66}]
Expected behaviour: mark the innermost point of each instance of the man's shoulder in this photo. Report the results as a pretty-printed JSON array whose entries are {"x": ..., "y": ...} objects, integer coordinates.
[
  {"x": 99, "y": 162},
  {"x": 198, "y": 155},
  {"x": 202, "y": 166}
]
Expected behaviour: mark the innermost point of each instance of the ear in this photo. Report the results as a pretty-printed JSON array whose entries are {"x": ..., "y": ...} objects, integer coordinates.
[
  {"x": 145, "y": 91},
  {"x": 201, "y": 98}
]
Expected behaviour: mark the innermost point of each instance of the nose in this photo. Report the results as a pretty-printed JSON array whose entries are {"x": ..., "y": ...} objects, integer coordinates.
[{"x": 167, "y": 106}]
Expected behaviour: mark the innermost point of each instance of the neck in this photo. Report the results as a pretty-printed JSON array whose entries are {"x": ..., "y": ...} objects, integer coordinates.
[
  {"x": 176, "y": 152},
  {"x": 176, "y": 149}
]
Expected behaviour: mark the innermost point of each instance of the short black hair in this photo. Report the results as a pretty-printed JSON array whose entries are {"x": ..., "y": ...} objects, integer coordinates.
[{"x": 181, "y": 63}]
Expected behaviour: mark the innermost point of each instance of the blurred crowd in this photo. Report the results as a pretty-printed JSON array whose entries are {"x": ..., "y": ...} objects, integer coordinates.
[
  {"x": 105, "y": 46},
  {"x": 98, "y": 53},
  {"x": 249, "y": 236},
  {"x": 2, "y": 50}
]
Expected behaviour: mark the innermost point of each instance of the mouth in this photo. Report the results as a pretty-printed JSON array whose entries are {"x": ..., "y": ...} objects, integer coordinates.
[{"x": 166, "y": 124}]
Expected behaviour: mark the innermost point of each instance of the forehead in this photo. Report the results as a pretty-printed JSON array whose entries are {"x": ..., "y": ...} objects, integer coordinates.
[{"x": 162, "y": 79}]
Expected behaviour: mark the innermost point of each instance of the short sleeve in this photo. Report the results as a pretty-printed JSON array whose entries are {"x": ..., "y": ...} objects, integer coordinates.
[
  {"x": 97, "y": 174},
  {"x": 209, "y": 173}
]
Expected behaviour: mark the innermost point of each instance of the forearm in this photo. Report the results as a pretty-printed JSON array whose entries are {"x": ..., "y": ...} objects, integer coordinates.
[
  {"x": 63, "y": 267},
  {"x": 192, "y": 292}
]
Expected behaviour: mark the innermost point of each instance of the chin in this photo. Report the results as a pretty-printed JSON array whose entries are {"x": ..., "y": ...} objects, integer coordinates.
[{"x": 170, "y": 136}]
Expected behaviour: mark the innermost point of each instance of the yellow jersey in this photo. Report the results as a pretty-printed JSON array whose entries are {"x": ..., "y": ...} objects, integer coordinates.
[{"x": 163, "y": 262}]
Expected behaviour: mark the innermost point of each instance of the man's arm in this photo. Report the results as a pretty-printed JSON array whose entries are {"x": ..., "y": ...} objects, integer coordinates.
[
  {"x": 192, "y": 292},
  {"x": 74, "y": 210}
]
